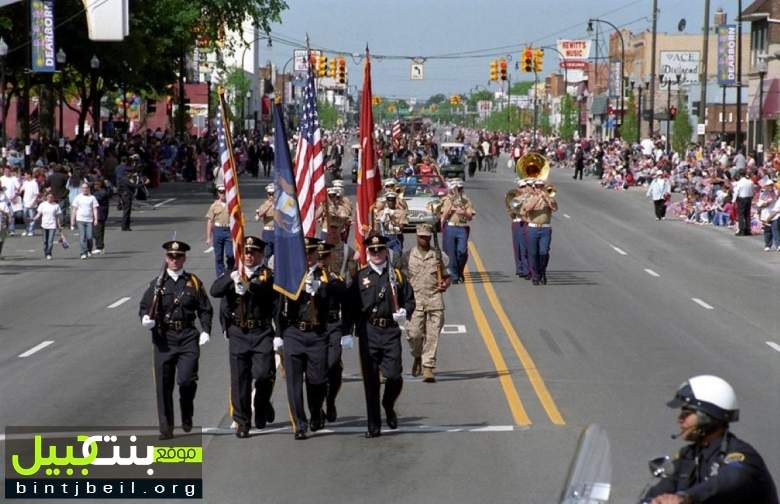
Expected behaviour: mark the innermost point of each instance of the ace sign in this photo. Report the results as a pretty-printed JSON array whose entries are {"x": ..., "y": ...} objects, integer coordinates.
[{"x": 683, "y": 63}]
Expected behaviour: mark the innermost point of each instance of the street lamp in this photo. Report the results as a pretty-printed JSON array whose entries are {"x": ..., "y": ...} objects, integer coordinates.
[
  {"x": 3, "y": 54},
  {"x": 761, "y": 67},
  {"x": 668, "y": 81},
  {"x": 125, "y": 70},
  {"x": 622, "y": 59},
  {"x": 61, "y": 59},
  {"x": 94, "y": 64},
  {"x": 248, "y": 107},
  {"x": 207, "y": 78}
]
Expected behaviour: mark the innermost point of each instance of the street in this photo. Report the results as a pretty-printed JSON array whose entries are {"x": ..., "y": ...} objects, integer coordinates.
[{"x": 633, "y": 308}]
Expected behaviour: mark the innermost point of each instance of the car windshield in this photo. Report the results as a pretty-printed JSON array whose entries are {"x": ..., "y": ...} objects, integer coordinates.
[{"x": 415, "y": 187}]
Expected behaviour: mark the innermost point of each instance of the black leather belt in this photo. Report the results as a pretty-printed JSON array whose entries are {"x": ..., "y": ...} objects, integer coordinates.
[
  {"x": 253, "y": 324},
  {"x": 178, "y": 325},
  {"x": 305, "y": 326},
  {"x": 382, "y": 323}
]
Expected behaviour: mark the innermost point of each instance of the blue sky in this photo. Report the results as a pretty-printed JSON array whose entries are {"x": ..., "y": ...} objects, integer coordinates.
[{"x": 432, "y": 27}]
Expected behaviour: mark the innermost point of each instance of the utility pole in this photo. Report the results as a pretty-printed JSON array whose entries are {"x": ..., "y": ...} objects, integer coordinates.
[
  {"x": 652, "y": 67},
  {"x": 703, "y": 77},
  {"x": 737, "y": 143}
]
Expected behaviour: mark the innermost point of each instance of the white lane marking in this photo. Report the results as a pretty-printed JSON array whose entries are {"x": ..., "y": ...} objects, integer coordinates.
[
  {"x": 453, "y": 329},
  {"x": 619, "y": 250},
  {"x": 119, "y": 302},
  {"x": 567, "y": 216},
  {"x": 360, "y": 429},
  {"x": 158, "y": 205},
  {"x": 773, "y": 345},
  {"x": 702, "y": 304},
  {"x": 208, "y": 250},
  {"x": 651, "y": 272},
  {"x": 39, "y": 346}
]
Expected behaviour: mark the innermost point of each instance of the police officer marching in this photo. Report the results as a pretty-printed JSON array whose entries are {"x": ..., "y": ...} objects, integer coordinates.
[
  {"x": 169, "y": 308},
  {"x": 302, "y": 327},
  {"x": 265, "y": 214},
  {"x": 716, "y": 467},
  {"x": 383, "y": 300},
  {"x": 339, "y": 327},
  {"x": 457, "y": 211},
  {"x": 426, "y": 269},
  {"x": 515, "y": 199},
  {"x": 246, "y": 311}
]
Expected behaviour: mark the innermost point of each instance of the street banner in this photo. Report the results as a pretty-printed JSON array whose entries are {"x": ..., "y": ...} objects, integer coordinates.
[
  {"x": 368, "y": 175},
  {"x": 683, "y": 63},
  {"x": 233, "y": 199},
  {"x": 42, "y": 26},
  {"x": 615, "y": 79},
  {"x": 289, "y": 250},
  {"x": 727, "y": 55}
]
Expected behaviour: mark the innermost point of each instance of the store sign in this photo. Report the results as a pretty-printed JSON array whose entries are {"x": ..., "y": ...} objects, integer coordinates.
[
  {"x": 682, "y": 63},
  {"x": 574, "y": 58}
]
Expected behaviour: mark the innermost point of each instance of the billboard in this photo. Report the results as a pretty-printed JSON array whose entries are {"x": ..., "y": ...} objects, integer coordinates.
[
  {"x": 683, "y": 63},
  {"x": 727, "y": 55},
  {"x": 575, "y": 58},
  {"x": 42, "y": 25}
]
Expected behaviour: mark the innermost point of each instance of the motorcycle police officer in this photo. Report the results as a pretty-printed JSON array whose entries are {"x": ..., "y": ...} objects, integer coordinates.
[
  {"x": 246, "y": 311},
  {"x": 716, "y": 467},
  {"x": 168, "y": 308}
]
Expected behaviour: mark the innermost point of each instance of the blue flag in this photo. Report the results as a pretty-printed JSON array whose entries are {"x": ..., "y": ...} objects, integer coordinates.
[{"x": 289, "y": 251}]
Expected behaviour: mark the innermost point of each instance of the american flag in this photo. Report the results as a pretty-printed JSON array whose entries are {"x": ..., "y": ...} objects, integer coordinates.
[
  {"x": 309, "y": 168},
  {"x": 230, "y": 174},
  {"x": 396, "y": 129}
]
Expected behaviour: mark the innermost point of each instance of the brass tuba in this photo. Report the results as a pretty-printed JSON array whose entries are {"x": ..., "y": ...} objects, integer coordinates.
[{"x": 533, "y": 165}]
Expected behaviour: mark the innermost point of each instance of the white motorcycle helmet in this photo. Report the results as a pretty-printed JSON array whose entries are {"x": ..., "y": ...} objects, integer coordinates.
[{"x": 708, "y": 394}]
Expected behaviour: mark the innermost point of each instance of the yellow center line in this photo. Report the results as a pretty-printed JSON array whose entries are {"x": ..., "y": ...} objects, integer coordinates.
[
  {"x": 515, "y": 405},
  {"x": 525, "y": 358}
]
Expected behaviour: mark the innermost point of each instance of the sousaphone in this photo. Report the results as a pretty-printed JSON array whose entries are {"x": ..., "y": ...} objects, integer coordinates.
[{"x": 532, "y": 165}]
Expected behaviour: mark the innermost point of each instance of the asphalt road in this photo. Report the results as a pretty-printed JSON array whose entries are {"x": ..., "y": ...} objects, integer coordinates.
[{"x": 633, "y": 308}]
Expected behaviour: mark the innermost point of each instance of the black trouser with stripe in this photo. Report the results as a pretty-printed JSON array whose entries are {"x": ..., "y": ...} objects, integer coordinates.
[
  {"x": 176, "y": 356},
  {"x": 380, "y": 350},
  {"x": 335, "y": 366},
  {"x": 305, "y": 353},
  {"x": 251, "y": 365}
]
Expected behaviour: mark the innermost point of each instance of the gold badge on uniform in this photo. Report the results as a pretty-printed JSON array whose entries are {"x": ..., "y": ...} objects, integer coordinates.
[
  {"x": 734, "y": 457},
  {"x": 366, "y": 282},
  {"x": 190, "y": 284},
  {"x": 175, "y": 245}
]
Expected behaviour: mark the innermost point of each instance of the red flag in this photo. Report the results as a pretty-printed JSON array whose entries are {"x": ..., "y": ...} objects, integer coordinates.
[{"x": 369, "y": 181}]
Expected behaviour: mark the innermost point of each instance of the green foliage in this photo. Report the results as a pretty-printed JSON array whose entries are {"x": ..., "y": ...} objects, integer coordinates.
[
  {"x": 480, "y": 95},
  {"x": 522, "y": 87},
  {"x": 511, "y": 120},
  {"x": 777, "y": 132},
  {"x": 436, "y": 99},
  {"x": 569, "y": 119},
  {"x": 681, "y": 128},
  {"x": 544, "y": 123},
  {"x": 328, "y": 114},
  {"x": 629, "y": 130}
]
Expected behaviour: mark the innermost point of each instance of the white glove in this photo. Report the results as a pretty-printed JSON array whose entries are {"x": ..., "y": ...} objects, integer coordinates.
[
  {"x": 204, "y": 338},
  {"x": 347, "y": 341},
  {"x": 240, "y": 288},
  {"x": 147, "y": 322},
  {"x": 311, "y": 287},
  {"x": 235, "y": 276},
  {"x": 400, "y": 316},
  {"x": 278, "y": 343}
]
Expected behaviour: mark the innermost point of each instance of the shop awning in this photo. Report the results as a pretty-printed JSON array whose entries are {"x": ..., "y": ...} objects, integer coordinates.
[{"x": 771, "y": 101}]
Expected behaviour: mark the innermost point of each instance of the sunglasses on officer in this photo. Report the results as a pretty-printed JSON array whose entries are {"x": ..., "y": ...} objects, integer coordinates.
[{"x": 175, "y": 256}]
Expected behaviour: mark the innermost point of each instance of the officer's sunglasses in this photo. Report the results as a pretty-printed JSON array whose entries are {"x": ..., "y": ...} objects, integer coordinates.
[{"x": 174, "y": 256}]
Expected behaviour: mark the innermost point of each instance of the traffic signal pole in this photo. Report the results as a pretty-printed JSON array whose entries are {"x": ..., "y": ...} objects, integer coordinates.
[{"x": 536, "y": 101}]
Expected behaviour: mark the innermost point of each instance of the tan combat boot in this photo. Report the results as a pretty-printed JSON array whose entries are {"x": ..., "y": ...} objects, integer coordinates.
[
  {"x": 428, "y": 375},
  {"x": 417, "y": 367}
]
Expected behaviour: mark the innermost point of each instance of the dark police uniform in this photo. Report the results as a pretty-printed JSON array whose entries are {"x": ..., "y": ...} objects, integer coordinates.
[
  {"x": 726, "y": 471},
  {"x": 302, "y": 325},
  {"x": 175, "y": 340},
  {"x": 339, "y": 324},
  {"x": 246, "y": 320},
  {"x": 380, "y": 336}
]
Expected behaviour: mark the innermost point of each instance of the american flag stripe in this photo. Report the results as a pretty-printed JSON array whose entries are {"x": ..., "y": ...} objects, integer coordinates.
[
  {"x": 396, "y": 129},
  {"x": 309, "y": 166},
  {"x": 232, "y": 195}
]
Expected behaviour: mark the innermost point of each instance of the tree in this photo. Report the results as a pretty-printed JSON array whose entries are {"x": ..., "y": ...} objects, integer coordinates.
[
  {"x": 481, "y": 95},
  {"x": 569, "y": 118},
  {"x": 681, "y": 128},
  {"x": 328, "y": 115},
  {"x": 436, "y": 99},
  {"x": 629, "y": 130},
  {"x": 522, "y": 87}
]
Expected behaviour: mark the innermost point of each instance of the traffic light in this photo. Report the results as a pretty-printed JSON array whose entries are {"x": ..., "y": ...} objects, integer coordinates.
[
  {"x": 455, "y": 100},
  {"x": 322, "y": 66},
  {"x": 528, "y": 60},
  {"x": 493, "y": 70},
  {"x": 502, "y": 69},
  {"x": 332, "y": 68},
  {"x": 342, "y": 71},
  {"x": 376, "y": 100},
  {"x": 538, "y": 60},
  {"x": 433, "y": 107}
]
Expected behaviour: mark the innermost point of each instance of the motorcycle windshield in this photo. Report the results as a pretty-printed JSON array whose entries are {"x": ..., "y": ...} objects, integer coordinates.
[{"x": 591, "y": 470}]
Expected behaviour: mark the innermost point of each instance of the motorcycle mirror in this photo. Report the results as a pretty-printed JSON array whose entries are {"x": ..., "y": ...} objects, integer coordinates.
[{"x": 661, "y": 467}]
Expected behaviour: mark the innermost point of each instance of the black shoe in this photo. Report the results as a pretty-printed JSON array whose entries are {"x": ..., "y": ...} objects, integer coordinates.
[
  {"x": 260, "y": 418},
  {"x": 372, "y": 434},
  {"x": 544, "y": 279},
  {"x": 317, "y": 423},
  {"x": 186, "y": 425},
  {"x": 330, "y": 412},
  {"x": 300, "y": 435},
  {"x": 242, "y": 432},
  {"x": 270, "y": 413},
  {"x": 392, "y": 418},
  {"x": 165, "y": 436},
  {"x": 536, "y": 282}
]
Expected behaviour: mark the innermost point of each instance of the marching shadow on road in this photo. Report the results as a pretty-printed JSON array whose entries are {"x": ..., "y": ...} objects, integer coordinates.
[
  {"x": 160, "y": 220},
  {"x": 7, "y": 268},
  {"x": 445, "y": 376},
  {"x": 477, "y": 277},
  {"x": 570, "y": 278}
]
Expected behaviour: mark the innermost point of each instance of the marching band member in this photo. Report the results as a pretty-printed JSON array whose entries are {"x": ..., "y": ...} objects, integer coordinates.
[
  {"x": 539, "y": 207},
  {"x": 265, "y": 214},
  {"x": 514, "y": 206},
  {"x": 456, "y": 213}
]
